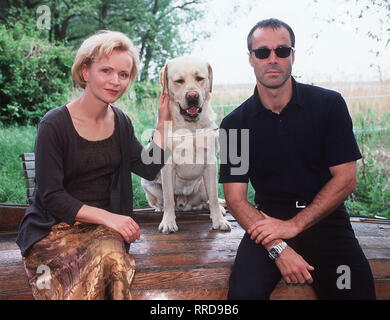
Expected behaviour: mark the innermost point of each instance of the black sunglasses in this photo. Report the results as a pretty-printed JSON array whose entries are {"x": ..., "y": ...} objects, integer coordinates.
[{"x": 281, "y": 52}]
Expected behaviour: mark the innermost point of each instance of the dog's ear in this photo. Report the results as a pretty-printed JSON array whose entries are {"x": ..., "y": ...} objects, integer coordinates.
[
  {"x": 210, "y": 77},
  {"x": 164, "y": 78}
]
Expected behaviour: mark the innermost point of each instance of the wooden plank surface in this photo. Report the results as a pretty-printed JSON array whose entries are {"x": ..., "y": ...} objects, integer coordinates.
[
  {"x": 10, "y": 216},
  {"x": 167, "y": 264},
  {"x": 194, "y": 263}
]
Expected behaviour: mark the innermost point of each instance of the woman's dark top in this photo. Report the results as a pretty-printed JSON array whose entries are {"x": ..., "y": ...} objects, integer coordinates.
[
  {"x": 95, "y": 164},
  {"x": 56, "y": 170}
]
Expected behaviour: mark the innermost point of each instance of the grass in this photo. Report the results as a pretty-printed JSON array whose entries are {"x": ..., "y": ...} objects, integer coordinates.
[
  {"x": 372, "y": 195},
  {"x": 13, "y": 142}
]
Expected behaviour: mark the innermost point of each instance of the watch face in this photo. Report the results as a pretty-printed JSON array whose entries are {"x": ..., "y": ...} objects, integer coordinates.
[{"x": 273, "y": 252}]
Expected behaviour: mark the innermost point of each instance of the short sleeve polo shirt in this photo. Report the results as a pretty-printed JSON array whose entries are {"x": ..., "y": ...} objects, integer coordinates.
[{"x": 287, "y": 156}]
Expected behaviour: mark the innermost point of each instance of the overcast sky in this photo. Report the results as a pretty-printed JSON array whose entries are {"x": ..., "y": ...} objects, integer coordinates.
[{"x": 324, "y": 51}]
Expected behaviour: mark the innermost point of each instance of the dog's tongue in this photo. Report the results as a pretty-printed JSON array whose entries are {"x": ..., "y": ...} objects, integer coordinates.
[{"x": 192, "y": 110}]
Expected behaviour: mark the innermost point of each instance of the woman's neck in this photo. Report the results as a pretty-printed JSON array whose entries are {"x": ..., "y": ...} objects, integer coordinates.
[{"x": 89, "y": 107}]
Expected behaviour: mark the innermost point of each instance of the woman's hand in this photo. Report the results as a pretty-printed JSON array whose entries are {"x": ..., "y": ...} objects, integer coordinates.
[
  {"x": 124, "y": 225},
  {"x": 163, "y": 110},
  {"x": 164, "y": 118}
]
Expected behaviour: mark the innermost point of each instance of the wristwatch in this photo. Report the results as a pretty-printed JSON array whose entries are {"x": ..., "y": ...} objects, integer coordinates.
[{"x": 275, "y": 251}]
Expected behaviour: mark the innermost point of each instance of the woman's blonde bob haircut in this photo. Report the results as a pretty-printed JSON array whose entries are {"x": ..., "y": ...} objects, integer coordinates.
[{"x": 102, "y": 44}]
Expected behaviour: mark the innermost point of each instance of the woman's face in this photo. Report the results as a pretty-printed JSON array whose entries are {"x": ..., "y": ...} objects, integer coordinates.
[{"x": 108, "y": 78}]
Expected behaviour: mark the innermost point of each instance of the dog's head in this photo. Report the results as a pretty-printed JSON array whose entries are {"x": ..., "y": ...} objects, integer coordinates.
[{"x": 188, "y": 81}]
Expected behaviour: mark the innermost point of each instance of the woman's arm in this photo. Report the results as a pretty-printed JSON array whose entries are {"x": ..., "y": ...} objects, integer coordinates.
[
  {"x": 50, "y": 160},
  {"x": 147, "y": 162},
  {"x": 124, "y": 225}
]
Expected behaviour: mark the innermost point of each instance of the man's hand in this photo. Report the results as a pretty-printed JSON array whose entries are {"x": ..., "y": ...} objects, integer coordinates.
[
  {"x": 293, "y": 267},
  {"x": 269, "y": 229}
]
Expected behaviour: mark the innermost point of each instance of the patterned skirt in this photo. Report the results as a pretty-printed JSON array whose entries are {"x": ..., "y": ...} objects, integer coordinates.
[{"x": 80, "y": 262}]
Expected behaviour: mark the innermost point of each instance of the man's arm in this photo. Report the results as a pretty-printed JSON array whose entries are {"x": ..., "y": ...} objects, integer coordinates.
[
  {"x": 342, "y": 184},
  {"x": 291, "y": 265},
  {"x": 245, "y": 213},
  {"x": 339, "y": 187}
]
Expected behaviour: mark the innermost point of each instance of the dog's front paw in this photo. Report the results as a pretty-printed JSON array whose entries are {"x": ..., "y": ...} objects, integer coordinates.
[
  {"x": 222, "y": 209},
  {"x": 168, "y": 225},
  {"x": 157, "y": 208},
  {"x": 221, "y": 224}
]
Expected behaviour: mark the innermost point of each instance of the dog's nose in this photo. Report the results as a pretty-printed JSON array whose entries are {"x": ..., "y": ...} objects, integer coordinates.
[{"x": 191, "y": 95}]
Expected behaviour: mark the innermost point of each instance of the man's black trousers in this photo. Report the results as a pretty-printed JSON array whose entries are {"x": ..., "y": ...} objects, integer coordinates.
[{"x": 341, "y": 269}]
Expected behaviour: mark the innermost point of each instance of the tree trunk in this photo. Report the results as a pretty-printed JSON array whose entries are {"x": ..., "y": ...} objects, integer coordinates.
[
  {"x": 103, "y": 15},
  {"x": 145, "y": 68},
  {"x": 147, "y": 47}
]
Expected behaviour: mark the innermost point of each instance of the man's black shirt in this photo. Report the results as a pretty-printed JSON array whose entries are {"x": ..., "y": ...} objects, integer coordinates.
[{"x": 290, "y": 153}]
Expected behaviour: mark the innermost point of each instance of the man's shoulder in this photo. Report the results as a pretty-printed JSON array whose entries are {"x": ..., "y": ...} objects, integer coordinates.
[
  {"x": 321, "y": 103},
  {"x": 313, "y": 92},
  {"x": 238, "y": 116}
]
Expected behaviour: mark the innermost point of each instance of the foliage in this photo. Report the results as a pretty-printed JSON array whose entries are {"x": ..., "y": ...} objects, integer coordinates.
[
  {"x": 359, "y": 10},
  {"x": 14, "y": 141},
  {"x": 372, "y": 194},
  {"x": 162, "y": 39},
  {"x": 379, "y": 6},
  {"x": 162, "y": 29},
  {"x": 34, "y": 75},
  {"x": 145, "y": 91}
]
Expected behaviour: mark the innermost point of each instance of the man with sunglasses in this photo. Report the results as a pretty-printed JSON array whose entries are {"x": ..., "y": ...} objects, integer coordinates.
[{"x": 302, "y": 165}]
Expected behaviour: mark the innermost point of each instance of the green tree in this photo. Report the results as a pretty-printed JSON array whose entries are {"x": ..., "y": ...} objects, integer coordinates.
[
  {"x": 65, "y": 13},
  {"x": 34, "y": 75},
  {"x": 161, "y": 39},
  {"x": 156, "y": 26}
]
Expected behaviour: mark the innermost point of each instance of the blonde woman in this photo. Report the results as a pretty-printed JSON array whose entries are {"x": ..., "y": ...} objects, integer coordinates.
[{"x": 76, "y": 232}]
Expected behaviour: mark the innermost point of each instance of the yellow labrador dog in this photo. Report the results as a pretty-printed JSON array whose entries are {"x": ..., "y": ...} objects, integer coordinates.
[{"x": 188, "y": 181}]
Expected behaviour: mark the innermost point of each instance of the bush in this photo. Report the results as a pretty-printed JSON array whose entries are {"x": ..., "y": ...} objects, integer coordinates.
[
  {"x": 145, "y": 91},
  {"x": 14, "y": 140},
  {"x": 34, "y": 76},
  {"x": 372, "y": 194}
]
